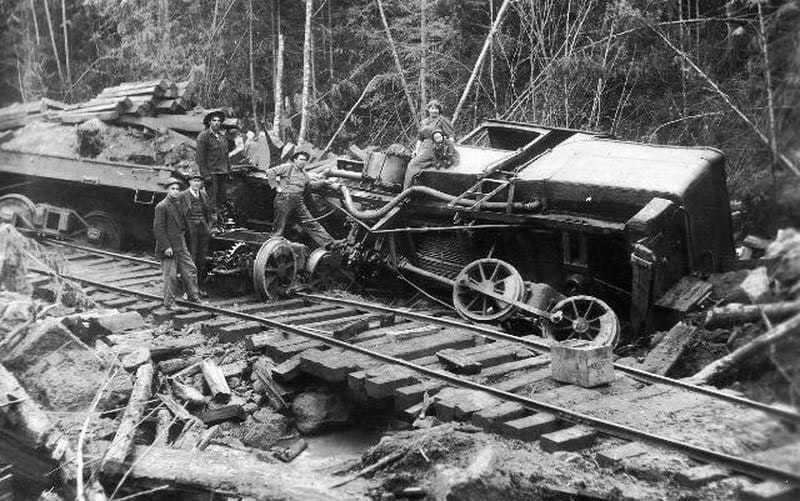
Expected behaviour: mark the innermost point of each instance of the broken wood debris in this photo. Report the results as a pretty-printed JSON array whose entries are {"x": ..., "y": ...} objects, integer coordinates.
[{"x": 123, "y": 440}]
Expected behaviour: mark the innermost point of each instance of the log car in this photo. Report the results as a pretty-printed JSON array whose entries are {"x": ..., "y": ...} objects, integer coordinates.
[{"x": 580, "y": 212}]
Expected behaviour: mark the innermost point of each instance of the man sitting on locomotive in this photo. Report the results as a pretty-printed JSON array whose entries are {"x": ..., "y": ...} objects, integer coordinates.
[
  {"x": 424, "y": 157},
  {"x": 290, "y": 181}
]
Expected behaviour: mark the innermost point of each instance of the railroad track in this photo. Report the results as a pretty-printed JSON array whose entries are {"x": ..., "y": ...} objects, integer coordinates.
[{"x": 349, "y": 342}]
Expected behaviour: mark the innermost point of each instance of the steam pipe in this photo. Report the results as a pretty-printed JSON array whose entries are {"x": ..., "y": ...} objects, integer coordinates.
[{"x": 424, "y": 190}]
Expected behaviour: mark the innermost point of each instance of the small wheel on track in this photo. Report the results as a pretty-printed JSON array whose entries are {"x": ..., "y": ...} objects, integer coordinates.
[
  {"x": 585, "y": 317},
  {"x": 492, "y": 275},
  {"x": 274, "y": 268},
  {"x": 21, "y": 207},
  {"x": 324, "y": 269},
  {"x": 103, "y": 230}
]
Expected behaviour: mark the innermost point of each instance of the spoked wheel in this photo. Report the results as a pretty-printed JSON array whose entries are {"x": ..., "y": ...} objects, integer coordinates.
[
  {"x": 487, "y": 275},
  {"x": 21, "y": 207},
  {"x": 324, "y": 269},
  {"x": 103, "y": 230},
  {"x": 585, "y": 317},
  {"x": 274, "y": 269}
]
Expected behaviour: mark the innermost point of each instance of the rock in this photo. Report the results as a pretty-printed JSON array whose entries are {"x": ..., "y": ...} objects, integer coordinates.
[
  {"x": 316, "y": 409},
  {"x": 263, "y": 435},
  {"x": 90, "y": 137},
  {"x": 756, "y": 286},
  {"x": 43, "y": 338},
  {"x": 139, "y": 356},
  {"x": 786, "y": 250},
  {"x": 15, "y": 307}
]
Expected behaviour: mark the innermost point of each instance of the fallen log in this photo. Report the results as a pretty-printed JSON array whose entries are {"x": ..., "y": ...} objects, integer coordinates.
[
  {"x": 229, "y": 472},
  {"x": 720, "y": 367},
  {"x": 732, "y": 314},
  {"x": 123, "y": 440},
  {"x": 220, "y": 391}
]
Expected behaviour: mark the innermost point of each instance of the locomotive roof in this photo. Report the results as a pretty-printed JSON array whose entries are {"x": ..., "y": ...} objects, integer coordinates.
[{"x": 586, "y": 160}]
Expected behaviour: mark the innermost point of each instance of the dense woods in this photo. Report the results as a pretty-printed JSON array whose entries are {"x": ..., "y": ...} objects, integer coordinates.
[{"x": 711, "y": 72}]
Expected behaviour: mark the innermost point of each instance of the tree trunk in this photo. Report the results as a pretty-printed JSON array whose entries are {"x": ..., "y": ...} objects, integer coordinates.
[
  {"x": 397, "y": 63},
  {"x": 306, "y": 99},
  {"x": 732, "y": 314},
  {"x": 250, "y": 57},
  {"x": 330, "y": 43},
  {"x": 53, "y": 41},
  {"x": 497, "y": 21},
  {"x": 491, "y": 61},
  {"x": 423, "y": 92},
  {"x": 276, "y": 121},
  {"x": 66, "y": 38},
  {"x": 773, "y": 141},
  {"x": 347, "y": 116},
  {"x": 720, "y": 367},
  {"x": 35, "y": 23}
]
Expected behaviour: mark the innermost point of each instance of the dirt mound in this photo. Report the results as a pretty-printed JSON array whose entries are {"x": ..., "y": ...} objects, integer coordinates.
[{"x": 102, "y": 141}]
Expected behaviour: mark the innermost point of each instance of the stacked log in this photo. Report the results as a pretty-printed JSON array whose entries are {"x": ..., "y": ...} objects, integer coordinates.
[{"x": 20, "y": 114}]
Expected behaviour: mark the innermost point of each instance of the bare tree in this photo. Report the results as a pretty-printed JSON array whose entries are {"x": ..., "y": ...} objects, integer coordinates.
[
  {"x": 66, "y": 38},
  {"x": 306, "y": 74},
  {"x": 423, "y": 91},
  {"x": 476, "y": 69},
  {"x": 53, "y": 40},
  {"x": 397, "y": 63},
  {"x": 773, "y": 136},
  {"x": 250, "y": 57},
  {"x": 278, "y": 86},
  {"x": 35, "y": 22}
]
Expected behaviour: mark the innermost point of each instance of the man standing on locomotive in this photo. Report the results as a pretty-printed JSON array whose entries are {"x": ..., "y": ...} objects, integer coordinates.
[
  {"x": 169, "y": 225},
  {"x": 212, "y": 158},
  {"x": 290, "y": 181},
  {"x": 200, "y": 219}
]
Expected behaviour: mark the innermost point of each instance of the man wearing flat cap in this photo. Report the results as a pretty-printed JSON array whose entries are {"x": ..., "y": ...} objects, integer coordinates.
[
  {"x": 200, "y": 219},
  {"x": 169, "y": 225},
  {"x": 212, "y": 157},
  {"x": 290, "y": 181}
]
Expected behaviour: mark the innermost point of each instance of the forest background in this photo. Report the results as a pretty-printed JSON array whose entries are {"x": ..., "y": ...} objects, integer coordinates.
[{"x": 689, "y": 72}]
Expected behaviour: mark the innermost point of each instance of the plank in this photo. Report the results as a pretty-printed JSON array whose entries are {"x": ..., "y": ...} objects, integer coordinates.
[
  {"x": 76, "y": 118},
  {"x": 123, "y": 439}
]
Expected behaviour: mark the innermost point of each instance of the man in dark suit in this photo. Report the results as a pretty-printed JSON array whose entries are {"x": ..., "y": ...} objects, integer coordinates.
[
  {"x": 212, "y": 158},
  {"x": 169, "y": 225},
  {"x": 200, "y": 217}
]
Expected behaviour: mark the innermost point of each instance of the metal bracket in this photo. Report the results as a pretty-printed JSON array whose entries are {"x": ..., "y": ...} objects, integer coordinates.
[{"x": 136, "y": 199}]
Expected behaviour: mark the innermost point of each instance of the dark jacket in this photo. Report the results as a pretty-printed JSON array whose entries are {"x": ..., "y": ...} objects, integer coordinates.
[
  {"x": 208, "y": 215},
  {"x": 169, "y": 225},
  {"x": 212, "y": 154}
]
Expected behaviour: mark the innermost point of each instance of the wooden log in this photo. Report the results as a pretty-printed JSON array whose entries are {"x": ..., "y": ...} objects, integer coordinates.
[
  {"x": 25, "y": 417},
  {"x": 722, "y": 366},
  {"x": 229, "y": 472},
  {"x": 121, "y": 102},
  {"x": 227, "y": 413},
  {"x": 144, "y": 84},
  {"x": 262, "y": 372},
  {"x": 123, "y": 440},
  {"x": 174, "y": 347},
  {"x": 220, "y": 391},
  {"x": 77, "y": 118},
  {"x": 163, "y": 422},
  {"x": 175, "y": 408},
  {"x": 670, "y": 349},
  {"x": 187, "y": 123},
  {"x": 732, "y": 314},
  {"x": 288, "y": 454}
]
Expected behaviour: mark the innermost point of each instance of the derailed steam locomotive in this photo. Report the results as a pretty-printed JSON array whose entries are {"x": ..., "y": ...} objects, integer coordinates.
[
  {"x": 547, "y": 223},
  {"x": 558, "y": 226}
]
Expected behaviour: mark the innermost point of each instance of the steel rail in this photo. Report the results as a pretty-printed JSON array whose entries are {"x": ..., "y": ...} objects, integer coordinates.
[
  {"x": 539, "y": 346},
  {"x": 543, "y": 346},
  {"x": 734, "y": 463},
  {"x": 104, "y": 252}
]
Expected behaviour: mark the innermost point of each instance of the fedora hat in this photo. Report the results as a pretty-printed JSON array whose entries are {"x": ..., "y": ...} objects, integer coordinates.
[
  {"x": 299, "y": 152},
  {"x": 194, "y": 174},
  {"x": 213, "y": 114},
  {"x": 170, "y": 181}
]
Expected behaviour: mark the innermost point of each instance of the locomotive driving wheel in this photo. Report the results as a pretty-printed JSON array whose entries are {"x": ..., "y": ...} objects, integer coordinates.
[
  {"x": 103, "y": 230},
  {"x": 494, "y": 276},
  {"x": 584, "y": 317},
  {"x": 20, "y": 206},
  {"x": 274, "y": 268},
  {"x": 324, "y": 269}
]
